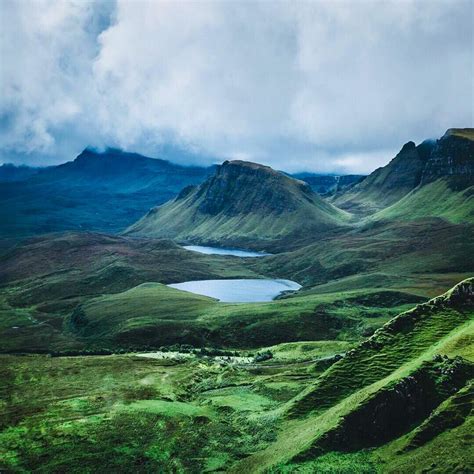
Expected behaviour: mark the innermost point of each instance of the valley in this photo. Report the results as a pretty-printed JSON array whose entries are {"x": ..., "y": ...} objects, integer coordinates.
[{"x": 314, "y": 334}]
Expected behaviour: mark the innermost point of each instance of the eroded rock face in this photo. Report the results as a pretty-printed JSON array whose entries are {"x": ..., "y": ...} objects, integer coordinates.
[
  {"x": 241, "y": 187},
  {"x": 397, "y": 408},
  {"x": 453, "y": 155}
]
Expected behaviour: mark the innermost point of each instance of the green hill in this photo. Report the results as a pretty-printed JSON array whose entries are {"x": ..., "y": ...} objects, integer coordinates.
[
  {"x": 400, "y": 401},
  {"x": 450, "y": 158},
  {"x": 244, "y": 204},
  {"x": 441, "y": 198},
  {"x": 385, "y": 389}
]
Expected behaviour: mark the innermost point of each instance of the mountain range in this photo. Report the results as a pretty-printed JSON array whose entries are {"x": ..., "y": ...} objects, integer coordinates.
[
  {"x": 105, "y": 191},
  {"x": 369, "y": 367}
]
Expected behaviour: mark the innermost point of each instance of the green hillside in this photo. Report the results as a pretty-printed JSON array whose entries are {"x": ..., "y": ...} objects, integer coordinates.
[
  {"x": 243, "y": 204},
  {"x": 440, "y": 198},
  {"x": 385, "y": 388},
  {"x": 400, "y": 399},
  {"x": 450, "y": 159}
]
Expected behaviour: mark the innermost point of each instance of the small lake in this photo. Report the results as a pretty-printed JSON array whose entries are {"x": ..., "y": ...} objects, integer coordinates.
[
  {"x": 224, "y": 251},
  {"x": 239, "y": 291}
]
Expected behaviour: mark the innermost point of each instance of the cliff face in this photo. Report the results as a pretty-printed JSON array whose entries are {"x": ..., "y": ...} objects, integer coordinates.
[
  {"x": 390, "y": 183},
  {"x": 452, "y": 156},
  {"x": 242, "y": 204},
  {"x": 242, "y": 187}
]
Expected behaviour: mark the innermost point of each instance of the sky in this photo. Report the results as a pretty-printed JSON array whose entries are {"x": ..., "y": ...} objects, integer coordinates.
[{"x": 323, "y": 86}]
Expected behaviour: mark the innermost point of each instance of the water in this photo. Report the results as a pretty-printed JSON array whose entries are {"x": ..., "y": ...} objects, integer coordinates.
[
  {"x": 238, "y": 291},
  {"x": 224, "y": 251}
]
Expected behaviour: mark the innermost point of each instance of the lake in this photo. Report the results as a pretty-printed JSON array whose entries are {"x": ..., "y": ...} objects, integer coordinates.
[
  {"x": 224, "y": 251},
  {"x": 238, "y": 290}
]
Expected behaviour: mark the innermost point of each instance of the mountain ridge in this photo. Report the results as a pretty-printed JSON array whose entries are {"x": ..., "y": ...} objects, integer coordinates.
[
  {"x": 242, "y": 202},
  {"x": 450, "y": 158}
]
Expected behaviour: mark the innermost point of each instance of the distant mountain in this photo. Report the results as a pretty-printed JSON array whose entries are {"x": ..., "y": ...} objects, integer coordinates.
[
  {"x": 104, "y": 191},
  {"x": 328, "y": 183},
  {"x": 10, "y": 172},
  {"x": 450, "y": 159},
  {"x": 242, "y": 204},
  {"x": 122, "y": 172}
]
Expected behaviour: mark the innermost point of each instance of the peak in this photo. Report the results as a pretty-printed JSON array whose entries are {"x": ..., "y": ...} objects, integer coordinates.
[
  {"x": 467, "y": 133},
  {"x": 408, "y": 147},
  {"x": 91, "y": 151},
  {"x": 247, "y": 164}
]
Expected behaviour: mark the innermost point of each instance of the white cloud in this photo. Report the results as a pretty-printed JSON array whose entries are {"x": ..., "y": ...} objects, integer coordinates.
[{"x": 324, "y": 85}]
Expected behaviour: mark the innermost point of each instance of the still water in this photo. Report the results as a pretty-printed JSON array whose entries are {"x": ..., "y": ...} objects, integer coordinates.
[
  {"x": 224, "y": 251},
  {"x": 239, "y": 290}
]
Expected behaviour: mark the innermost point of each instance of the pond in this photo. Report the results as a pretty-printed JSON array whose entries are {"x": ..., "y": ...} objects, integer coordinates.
[
  {"x": 224, "y": 251},
  {"x": 239, "y": 290}
]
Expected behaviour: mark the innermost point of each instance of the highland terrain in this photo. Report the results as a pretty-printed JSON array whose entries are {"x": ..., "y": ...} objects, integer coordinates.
[{"x": 367, "y": 368}]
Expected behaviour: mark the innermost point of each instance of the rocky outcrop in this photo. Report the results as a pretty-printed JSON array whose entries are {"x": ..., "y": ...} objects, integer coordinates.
[
  {"x": 452, "y": 156},
  {"x": 396, "y": 409}
]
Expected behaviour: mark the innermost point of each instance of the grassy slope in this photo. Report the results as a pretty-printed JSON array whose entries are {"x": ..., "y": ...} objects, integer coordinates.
[
  {"x": 401, "y": 253},
  {"x": 135, "y": 414},
  {"x": 246, "y": 205},
  {"x": 128, "y": 413},
  {"x": 377, "y": 368},
  {"x": 154, "y": 315},
  {"x": 436, "y": 199},
  {"x": 43, "y": 280}
]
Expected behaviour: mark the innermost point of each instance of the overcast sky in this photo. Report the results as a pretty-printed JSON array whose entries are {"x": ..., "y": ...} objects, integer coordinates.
[{"x": 328, "y": 86}]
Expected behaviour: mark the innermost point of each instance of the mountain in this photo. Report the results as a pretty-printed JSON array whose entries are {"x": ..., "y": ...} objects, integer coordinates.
[
  {"x": 327, "y": 183},
  {"x": 243, "y": 204},
  {"x": 446, "y": 185},
  {"x": 451, "y": 159},
  {"x": 388, "y": 184},
  {"x": 122, "y": 172},
  {"x": 10, "y": 172},
  {"x": 104, "y": 191}
]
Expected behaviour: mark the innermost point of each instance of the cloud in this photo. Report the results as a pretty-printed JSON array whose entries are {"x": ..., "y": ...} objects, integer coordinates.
[{"x": 325, "y": 86}]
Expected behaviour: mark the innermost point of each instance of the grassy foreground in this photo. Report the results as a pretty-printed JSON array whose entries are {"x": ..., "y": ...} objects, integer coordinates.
[{"x": 398, "y": 402}]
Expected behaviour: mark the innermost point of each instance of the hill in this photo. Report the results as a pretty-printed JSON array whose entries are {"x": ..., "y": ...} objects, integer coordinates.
[
  {"x": 451, "y": 159},
  {"x": 103, "y": 191},
  {"x": 398, "y": 389},
  {"x": 245, "y": 205},
  {"x": 398, "y": 400}
]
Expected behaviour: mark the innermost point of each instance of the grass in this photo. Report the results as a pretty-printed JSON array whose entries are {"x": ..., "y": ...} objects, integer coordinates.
[
  {"x": 154, "y": 315},
  {"x": 382, "y": 365},
  {"x": 126, "y": 413},
  {"x": 243, "y": 205},
  {"x": 436, "y": 199}
]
